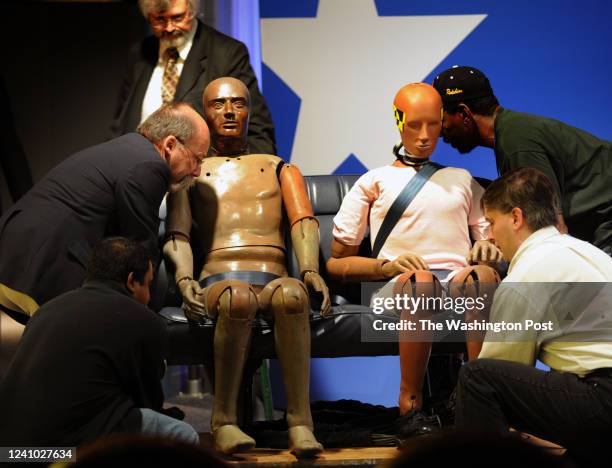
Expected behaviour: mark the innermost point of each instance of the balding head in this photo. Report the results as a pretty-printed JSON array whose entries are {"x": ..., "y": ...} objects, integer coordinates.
[
  {"x": 226, "y": 104},
  {"x": 418, "y": 116},
  {"x": 176, "y": 119},
  {"x": 181, "y": 137}
]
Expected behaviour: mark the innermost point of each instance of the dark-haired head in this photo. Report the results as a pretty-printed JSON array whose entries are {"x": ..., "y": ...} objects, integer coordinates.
[
  {"x": 123, "y": 261},
  {"x": 518, "y": 204},
  {"x": 529, "y": 190}
]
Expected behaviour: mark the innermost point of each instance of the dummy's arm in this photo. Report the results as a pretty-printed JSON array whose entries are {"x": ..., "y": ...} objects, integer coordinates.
[
  {"x": 346, "y": 266},
  {"x": 304, "y": 231},
  {"x": 178, "y": 250}
]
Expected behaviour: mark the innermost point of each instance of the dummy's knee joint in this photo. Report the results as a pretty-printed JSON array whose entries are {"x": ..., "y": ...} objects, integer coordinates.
[
  {"x": 233, "y": 298},
  {"x": 418, "y": 283},
  {"x": 286, "y": 295},
  {"x": 474, "y": 281}
]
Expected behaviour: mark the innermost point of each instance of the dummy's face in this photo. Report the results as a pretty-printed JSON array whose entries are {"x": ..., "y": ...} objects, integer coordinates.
[
  {"x": 421, "y": 128},
  {"x": 185, "y": 159},
  {"x": 226, "y": 109},
  {"x": 460, "y": 132},
  {"x": 171, "y": 26},
  {"x": 502, "y": 232},
  {"x": 142, "y": 291}
]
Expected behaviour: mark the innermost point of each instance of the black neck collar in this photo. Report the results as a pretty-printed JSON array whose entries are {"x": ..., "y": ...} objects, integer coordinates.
[{"x": 406, "y": 158}]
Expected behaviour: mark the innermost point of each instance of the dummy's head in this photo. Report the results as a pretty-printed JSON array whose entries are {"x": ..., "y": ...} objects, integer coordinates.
[
  {"x": 170, "y": 20},
  {"x": 125, "y": 262},
  {"x": 418, "y": 115},
  {"x": 518, "y": 204},
  {"x": 466, "y": 93},
  {"x": 226, "y": 103},
  {"x": 181, "y": 136}
]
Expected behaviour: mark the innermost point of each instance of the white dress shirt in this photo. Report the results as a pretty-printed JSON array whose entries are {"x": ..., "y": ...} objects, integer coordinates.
[
  {"x": 559, "y": 279},
  {"x": 153, "y": 97}
]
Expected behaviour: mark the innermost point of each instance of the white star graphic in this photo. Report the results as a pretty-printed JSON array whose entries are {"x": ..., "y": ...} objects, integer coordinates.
[{"x": 346, "y": 65}]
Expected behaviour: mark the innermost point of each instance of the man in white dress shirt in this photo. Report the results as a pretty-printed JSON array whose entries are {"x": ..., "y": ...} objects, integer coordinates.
[{"x": 558, "y": 291}]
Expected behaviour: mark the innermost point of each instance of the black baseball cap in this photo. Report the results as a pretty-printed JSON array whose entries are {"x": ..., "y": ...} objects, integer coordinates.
[{"x": 462, "y": 84}]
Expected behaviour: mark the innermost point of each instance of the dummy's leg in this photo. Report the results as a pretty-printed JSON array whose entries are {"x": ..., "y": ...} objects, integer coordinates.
[
  {"x": 477, "y": 282},
  {"x": 235, "y": 304},
  {"x": 287, "y": 299},
  {"x": 414, "y": 346}
]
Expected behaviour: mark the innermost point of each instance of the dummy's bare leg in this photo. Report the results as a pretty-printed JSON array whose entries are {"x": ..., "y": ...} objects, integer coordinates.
[
  {"x": 288, "y": 302},
  {"x": 478, "y": 281},
  {"x": 235, "y": 304},
  {"x": 414, "y": 357},
  {"x": 414, "y": 346}
]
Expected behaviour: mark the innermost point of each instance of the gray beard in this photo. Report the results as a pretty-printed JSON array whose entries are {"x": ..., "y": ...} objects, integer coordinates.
[{"x": 174, "y": 41}]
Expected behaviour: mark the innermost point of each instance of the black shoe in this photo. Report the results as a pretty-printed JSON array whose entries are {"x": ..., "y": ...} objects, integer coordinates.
[{"x": 417, "y": 423}]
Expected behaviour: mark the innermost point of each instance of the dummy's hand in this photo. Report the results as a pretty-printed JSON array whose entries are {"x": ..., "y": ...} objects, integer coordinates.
[
  {"x": 190, "y": 289},
  {"x": 314, "y": 282},
  {"x": 484, "y": 251},
  {"x": 402, "y": 264}
]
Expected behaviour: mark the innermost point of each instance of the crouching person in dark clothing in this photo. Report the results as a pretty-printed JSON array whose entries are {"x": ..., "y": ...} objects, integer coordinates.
[{"x": 90, "y": 361}]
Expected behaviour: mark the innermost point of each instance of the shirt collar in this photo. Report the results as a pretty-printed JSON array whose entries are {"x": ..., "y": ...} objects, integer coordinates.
[{"x": 535, "y": 238}]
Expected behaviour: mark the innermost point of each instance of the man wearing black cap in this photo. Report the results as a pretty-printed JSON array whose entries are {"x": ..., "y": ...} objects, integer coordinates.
[{"x": 578, "y": 163}]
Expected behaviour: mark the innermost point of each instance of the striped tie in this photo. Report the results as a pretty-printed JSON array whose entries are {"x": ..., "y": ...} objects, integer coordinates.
[{"x": 171, "y": 77}]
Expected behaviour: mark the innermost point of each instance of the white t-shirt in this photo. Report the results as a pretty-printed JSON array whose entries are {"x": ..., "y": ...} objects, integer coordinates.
[{"x": 436, "y": 225}]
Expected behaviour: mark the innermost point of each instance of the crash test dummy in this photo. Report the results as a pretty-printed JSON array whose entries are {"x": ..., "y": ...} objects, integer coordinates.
[
  {"x": 237, "y": 205},
  {"x": 430, "y": 244}
]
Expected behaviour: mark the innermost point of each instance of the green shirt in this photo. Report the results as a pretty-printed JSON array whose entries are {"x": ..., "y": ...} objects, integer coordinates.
[{"x": 578, "y": 163}]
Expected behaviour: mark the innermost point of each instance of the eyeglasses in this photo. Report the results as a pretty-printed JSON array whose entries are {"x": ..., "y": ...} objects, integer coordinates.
[
  {"x": 191, "y": 154},
  {"x": 159, "y": 21}
]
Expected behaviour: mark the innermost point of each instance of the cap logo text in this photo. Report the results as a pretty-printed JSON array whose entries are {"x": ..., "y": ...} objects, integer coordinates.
[{"x": 450, "y": 92}]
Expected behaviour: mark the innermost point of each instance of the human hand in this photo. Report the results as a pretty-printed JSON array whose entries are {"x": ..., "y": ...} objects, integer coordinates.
[
  {"x": 402, "y": 264},
  {"x": 314, "y": 282},
  {"x": 484, "y": 251}
]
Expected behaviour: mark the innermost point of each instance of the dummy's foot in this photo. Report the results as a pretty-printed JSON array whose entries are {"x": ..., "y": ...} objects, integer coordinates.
[
  {"x": 408, "y": 401},
  {"x": 230, "y": 439},
  {"x": 302, "y": 442}
]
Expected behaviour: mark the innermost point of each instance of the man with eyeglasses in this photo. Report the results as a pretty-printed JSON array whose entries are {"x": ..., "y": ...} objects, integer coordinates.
[
  {"x": 177, "y": 62},
  {"x": 112, "y": 189}
]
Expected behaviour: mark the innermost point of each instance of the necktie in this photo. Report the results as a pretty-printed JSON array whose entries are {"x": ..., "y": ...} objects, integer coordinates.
[{"x": 171, "y": 77}]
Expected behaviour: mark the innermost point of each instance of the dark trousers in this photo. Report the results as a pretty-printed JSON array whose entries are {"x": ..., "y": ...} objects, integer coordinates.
[{"x": 493, "y": 395}]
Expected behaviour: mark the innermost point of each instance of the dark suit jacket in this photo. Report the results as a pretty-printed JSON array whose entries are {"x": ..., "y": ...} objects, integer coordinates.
[
  {"x": 212, "y": 55},
  {"x": 114, "y": 188},
  {"x": 86, "y": 361}
]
